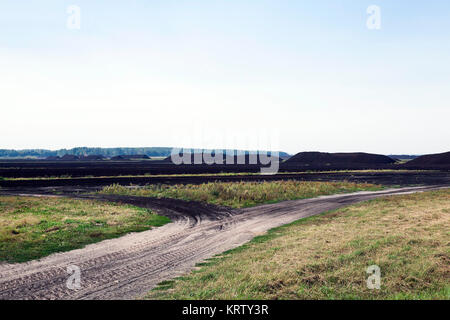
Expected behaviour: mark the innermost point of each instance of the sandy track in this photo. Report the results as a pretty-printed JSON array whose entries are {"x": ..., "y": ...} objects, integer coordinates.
[{"x": 127, "y": 267}]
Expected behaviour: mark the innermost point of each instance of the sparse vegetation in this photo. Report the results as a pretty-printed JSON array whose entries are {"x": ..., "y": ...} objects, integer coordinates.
[
  {"x": 242, "y": 194},
  {"x": 32, "y": 228},
  {"x": 326, "y": 256}
]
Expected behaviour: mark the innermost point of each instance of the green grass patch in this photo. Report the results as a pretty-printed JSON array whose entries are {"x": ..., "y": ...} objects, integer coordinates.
[
  {"x": 326, "y": 256},
  {"x": 31, "y": 228},
  {"x": 242, "y": 194}
]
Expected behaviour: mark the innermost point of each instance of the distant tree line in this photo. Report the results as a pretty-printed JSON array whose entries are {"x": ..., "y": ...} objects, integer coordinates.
[
  {"x": 403, "y": 156},
  {"x": 85, "y": 151}
]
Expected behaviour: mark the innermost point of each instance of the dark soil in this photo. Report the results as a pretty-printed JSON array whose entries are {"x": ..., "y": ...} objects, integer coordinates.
[
  {"x": 131, "y": 157},
  {"x": 222, "y": 158},
  {"x": 383, "y": 178},
  {"x": 323, "y": 158},
  {"x": 439, "y": 159},
  {"x": 306, "y": 161},
  {"x": 106, "y": 168},
  {"x": 174, "y": 209},
  {"x": 36, "y": 168},
  {"x": 69, "y": 157}
]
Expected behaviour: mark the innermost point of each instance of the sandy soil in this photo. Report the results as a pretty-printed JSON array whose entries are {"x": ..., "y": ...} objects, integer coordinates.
[{"x": 127, "y": 267}]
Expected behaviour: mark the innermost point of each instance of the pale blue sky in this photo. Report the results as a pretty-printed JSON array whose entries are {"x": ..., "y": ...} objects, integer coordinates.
[{"x": 289, "y": 75}]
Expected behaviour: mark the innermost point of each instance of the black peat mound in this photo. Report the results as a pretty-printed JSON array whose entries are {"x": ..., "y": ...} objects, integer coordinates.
[
  {"x": 131, "y": 157},
  {"x": 92, "y": 157},
  {"x": 69, "y": 157},
  {"x": 439, "y": 160},
  {"x": 340, "y": 159},
  {"x": 52, "y": 158}
]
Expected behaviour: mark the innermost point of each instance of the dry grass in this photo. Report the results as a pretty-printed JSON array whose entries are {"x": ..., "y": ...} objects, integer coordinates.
[
  {"x": 31, "y": 228},
  {"x": 242, "y": 194},
  {"x": 326, "y": 257}
]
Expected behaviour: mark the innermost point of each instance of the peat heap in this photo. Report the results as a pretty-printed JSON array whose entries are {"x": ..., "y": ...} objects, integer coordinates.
[
  {"x": 131, "y": 157},
  {"x": 430, "y": 161},
  {"x": 92, "y": 157},
  {"x": 69, "y": 157},
  {"x": 53, "y": 158},
  {"x": 330, "y": 161}
]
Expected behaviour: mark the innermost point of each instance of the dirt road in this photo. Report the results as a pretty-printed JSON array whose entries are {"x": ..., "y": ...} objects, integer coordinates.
[{"x": 127, "y": 267}]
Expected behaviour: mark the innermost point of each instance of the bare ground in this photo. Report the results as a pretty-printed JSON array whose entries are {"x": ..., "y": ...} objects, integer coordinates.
[{"x": 127, "y": 267}]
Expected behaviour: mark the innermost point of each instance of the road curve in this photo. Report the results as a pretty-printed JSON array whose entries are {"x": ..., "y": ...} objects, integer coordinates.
[{"x": 128, "y": 267}]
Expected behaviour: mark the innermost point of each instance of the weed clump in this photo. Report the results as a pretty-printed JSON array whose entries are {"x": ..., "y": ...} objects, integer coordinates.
[{"x": 242, "y": 194}]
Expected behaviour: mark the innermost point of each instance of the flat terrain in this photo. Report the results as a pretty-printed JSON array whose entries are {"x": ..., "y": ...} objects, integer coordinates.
[
  {"x": 128, "y": 267},
  {"x": 326, "y": 256},
  {"x": 108, "y": 168},
  {"x": 387, "y": 178}
]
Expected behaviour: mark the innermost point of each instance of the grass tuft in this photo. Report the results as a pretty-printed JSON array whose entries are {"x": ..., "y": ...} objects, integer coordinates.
[{"x": 242, "y": 194}]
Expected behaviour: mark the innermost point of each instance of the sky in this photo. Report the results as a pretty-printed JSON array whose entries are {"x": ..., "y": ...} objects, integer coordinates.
[{"x": 248, "y": 74}]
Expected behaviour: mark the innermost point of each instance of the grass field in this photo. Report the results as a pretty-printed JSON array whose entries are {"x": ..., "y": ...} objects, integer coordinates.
[
  {"x": 32, "y": 228},
  {"x": 326, "y": 256},
  {"x": 242, "y": 194}
]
